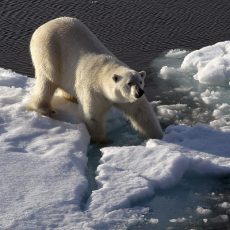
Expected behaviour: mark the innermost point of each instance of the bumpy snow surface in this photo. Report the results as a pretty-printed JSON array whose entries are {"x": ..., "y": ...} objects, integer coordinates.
[{"x": 43, "y": 161}]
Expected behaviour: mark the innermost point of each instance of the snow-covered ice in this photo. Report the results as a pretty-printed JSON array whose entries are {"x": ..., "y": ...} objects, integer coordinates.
[
  {"x": 43, "y": 164},
  {"x": 205, "y": 220},
  {"x": 200, "y": 80},
  {"x": 44, "y": 161},
  {"x": 203, "y": 211},
  {"x": 220, "y": 219},
  {"x": 210, "y": 65},
  {"x": 178, "y": 220},
  {"x": 224, "y": 205},
  {"x": 153, "y": 221},
  {"x": 132, "y": 173}
]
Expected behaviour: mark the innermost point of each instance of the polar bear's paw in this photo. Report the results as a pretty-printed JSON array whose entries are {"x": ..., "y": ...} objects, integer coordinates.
[{"x": 46, "y": 111}]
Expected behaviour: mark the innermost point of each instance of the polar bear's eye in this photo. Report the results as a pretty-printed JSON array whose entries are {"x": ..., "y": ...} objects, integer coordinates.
[
  {"x": 130, "y": 84},
  {"x": 116, "y": 78}
]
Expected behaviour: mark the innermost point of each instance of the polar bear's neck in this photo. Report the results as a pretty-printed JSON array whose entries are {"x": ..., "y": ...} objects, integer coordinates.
[
  {"x": 105, "y": 68},
  {"x": 106, "y": 61},
  {"x": 98, "y": 70},
  {"x": 100, "y": 67}
]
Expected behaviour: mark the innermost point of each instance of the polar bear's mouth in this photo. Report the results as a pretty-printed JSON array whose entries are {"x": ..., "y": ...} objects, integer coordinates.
[
  {"x": 139, "y": 92},
  {"x": 136, "y": 92},
  {"x": 129, "y": 94}
]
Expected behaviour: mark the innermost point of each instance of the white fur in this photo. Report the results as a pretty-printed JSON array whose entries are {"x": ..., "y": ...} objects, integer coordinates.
[{"x": 68, "y": 56}]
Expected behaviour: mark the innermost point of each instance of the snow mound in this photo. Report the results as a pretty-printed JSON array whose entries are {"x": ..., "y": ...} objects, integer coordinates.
[
  {"x": 42, "y": 161},
  {"x": 199, "y": 81},
  {"x": 203, "y": 211},
  {"x": 210, "y": 65}
]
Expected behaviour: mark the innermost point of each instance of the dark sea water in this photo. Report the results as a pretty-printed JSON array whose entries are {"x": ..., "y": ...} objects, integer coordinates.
[{"x": 136, "y": 31}]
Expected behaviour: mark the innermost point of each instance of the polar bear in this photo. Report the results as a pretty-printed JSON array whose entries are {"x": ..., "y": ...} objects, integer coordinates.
[{"x": 66, "y": 55}]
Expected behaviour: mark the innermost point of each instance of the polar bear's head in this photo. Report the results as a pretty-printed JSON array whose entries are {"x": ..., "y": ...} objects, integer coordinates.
[{"x": 128, "y": 86}]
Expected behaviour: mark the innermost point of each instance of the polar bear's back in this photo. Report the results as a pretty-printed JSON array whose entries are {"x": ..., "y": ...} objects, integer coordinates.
[
  {"x": 58, "y": 46},
  {"x": 68, "y": 33}
]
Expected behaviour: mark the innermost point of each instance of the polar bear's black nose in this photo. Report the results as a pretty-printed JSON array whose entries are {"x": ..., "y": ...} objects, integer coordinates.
[{"x": 139, "y": 92}]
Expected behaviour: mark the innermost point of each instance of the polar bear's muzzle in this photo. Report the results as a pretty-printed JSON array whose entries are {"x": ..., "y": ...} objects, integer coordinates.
[{"x": 138, "y": 92}]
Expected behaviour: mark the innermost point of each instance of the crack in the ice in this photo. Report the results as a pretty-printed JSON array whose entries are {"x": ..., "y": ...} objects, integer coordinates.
[
  {"x": 94, "y": 156},
  {"x": 128, "y": 137}
]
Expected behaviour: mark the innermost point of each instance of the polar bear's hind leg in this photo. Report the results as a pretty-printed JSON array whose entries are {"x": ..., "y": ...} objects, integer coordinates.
[{"x": 42, "y": 95}]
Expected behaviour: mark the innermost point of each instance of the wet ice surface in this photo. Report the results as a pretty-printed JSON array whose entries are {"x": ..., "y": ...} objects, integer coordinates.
[
  {"x": 181, "y": 182},
  {"x": 176, "y": 208}
]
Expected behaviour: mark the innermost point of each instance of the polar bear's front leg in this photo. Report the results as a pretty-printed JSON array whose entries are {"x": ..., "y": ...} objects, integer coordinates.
[
  {"x": 94, "y": 118},
  {"x": 142, "y": 117},
  {"x": 96, "y": 129}
]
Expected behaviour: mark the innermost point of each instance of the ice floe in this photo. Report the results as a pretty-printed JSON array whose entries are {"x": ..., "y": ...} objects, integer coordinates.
[
  {"x": 224, "y": 205},
  {"x": 200, "y": 80},
  {"x": 43, "y": 160},
  {"x": 203, "y": 211}
]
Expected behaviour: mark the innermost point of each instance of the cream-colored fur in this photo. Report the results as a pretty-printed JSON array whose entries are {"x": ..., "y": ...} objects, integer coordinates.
[{"x": 66, "y": 55}]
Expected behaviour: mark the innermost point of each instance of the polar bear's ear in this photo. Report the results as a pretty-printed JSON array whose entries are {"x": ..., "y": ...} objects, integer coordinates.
[
  {"x": 116, "y": 77},
  {"x": 143, "y": 74}
]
